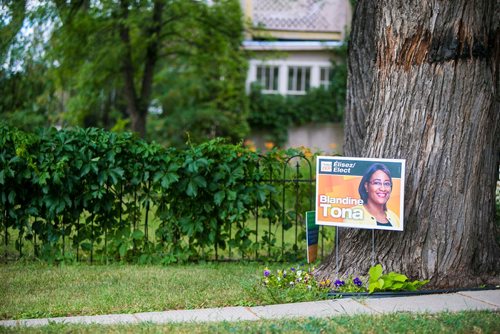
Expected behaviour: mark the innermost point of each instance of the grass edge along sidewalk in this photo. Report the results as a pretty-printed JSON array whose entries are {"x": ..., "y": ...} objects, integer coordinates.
[
  {"x": 32, "y": 290},
  {"x": 444, "y": 322},
  {"x": 454, "y": 302}
]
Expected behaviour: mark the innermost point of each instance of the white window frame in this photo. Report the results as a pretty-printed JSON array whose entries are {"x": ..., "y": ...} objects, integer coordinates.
[
  {"x": 299, "y": 80},
  {"x": 270, "y": 76},
  {"x": 284, "y": 65},
  {"x": 325, "y": 82}
]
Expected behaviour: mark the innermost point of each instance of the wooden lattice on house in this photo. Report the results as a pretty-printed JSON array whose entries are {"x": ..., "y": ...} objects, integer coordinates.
[{"x": 305, "y": 15}]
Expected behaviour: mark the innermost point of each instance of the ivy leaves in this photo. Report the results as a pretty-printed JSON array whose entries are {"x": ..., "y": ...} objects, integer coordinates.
[
  {"x": 391, "y": 282},
  {"x": 97, "y": 188}
]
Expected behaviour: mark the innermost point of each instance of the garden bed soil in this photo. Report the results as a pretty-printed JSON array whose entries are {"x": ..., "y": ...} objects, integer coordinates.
[{"x": 386, "y": 294}]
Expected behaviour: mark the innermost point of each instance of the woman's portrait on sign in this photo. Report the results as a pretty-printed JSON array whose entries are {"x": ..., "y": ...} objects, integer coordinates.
[{"x": 375, "y": 190}]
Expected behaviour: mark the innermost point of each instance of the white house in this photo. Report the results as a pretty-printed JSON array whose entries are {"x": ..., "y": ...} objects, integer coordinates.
[
  {"x": 291, "y": 41},
  {"x": 291, "y": 44}
]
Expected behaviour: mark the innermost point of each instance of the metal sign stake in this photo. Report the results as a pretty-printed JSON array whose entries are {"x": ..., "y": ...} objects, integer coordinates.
[
  {"x": 337, "y": 232},
  {"x": 373, "y": 248}
]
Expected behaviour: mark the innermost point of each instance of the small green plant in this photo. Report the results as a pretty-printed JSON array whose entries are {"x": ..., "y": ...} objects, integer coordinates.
[
  {"x": 391, "y": 281},
  {"x": 294, "y": 285}
]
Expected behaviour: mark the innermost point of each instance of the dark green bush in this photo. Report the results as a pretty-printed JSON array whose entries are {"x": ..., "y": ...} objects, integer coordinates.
[{"x": 97, "y": 189}]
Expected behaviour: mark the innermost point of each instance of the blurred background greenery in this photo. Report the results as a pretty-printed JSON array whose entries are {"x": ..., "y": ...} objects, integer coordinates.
[{"x": 168, "y": 70}]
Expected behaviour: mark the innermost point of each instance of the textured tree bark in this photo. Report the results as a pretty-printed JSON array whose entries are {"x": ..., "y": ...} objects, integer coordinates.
[
  {"x": 424, "y": 81},
  {"x": 361, "y": 66}
]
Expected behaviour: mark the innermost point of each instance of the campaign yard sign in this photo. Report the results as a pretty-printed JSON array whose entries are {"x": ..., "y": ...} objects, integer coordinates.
[{"x": 360, "y": 192}]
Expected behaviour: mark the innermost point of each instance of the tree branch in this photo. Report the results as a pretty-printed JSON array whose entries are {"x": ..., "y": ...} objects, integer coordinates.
[
  {"x": 127, "y": 65},
  {"x": 151, "y": 55}
]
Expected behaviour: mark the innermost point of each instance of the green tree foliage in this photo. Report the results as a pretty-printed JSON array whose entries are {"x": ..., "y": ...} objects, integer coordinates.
[
  {"x": 204, "y": 96},
  {"x": 12, "y": 15},
  {"x": 27, "y": 92},
  {"x": 27, "y": 97},
  {"x": 113, "y": 60}
]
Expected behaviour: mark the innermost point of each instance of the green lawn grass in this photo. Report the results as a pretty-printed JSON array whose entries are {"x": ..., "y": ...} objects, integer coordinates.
[
  {"x": 463, "y": 322},
  {"x": 37, "y": 290}
]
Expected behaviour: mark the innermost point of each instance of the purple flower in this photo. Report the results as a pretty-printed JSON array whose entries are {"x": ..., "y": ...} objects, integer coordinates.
[
  {"x": 357, "y": 281},
  {"x": 338, "y": 283},
  {"x": 266, "y": 272},
  {"x": 292, "y": 269}
]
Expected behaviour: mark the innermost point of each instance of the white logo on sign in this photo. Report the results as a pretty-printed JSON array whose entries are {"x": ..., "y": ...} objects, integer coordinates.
[{"x": 326, "y": 166}]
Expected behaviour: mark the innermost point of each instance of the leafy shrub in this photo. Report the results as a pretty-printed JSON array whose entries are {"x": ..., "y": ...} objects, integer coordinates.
[
  {"x": 88, "y": 194},
  {"x": 276, "y": 113}
]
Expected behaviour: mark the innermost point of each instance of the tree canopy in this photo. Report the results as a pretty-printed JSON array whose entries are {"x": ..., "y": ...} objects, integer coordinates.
[{"x": 108, "y": 63}]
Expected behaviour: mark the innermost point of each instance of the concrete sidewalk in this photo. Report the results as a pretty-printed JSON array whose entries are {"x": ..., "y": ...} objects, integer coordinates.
[{"x": 452, "y": 302}]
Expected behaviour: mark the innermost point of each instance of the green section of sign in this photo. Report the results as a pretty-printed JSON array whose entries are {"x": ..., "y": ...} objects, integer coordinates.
[
  {"x": 312, "y": 228},
  {"x": 311, "y": 220}
]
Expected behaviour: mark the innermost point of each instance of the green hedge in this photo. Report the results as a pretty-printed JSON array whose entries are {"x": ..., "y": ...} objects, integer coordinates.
[{"x": 88, "y": 193}]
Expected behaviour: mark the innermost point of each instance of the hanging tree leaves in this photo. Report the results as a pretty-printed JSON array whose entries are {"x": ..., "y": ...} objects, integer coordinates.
[{"x": 114, "y": 60}]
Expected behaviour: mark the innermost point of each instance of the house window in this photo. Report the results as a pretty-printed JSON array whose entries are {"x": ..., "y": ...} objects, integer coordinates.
[
  {"x": 325, "y": 76},
  {"x": 299, "y": 78},
  {"x": 268, "y": 77}
]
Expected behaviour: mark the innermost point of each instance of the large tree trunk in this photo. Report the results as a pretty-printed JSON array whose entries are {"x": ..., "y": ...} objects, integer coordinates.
[
  {"x": 361, "y": 67},
  {"x": 430, "y": 96}
]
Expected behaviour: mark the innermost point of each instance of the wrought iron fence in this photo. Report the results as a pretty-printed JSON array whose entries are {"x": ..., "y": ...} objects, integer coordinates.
[{"x": 278, "y": 224}]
